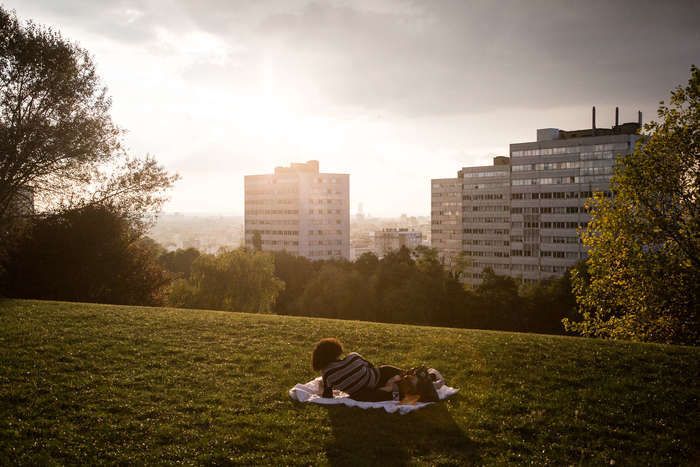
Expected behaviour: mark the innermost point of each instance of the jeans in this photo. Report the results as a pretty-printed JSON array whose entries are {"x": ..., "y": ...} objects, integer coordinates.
[{"x": 386, "y": 372}]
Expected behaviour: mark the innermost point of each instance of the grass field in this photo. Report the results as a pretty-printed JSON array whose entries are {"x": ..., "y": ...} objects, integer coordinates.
[{"x": 89, "y": 384}]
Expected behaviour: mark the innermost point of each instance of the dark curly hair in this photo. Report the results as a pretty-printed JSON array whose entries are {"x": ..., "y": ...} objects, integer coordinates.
[{"x": 327, "y": 350}]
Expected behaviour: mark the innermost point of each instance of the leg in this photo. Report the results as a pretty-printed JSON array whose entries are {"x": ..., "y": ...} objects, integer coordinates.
[
  {"x": 387, "y": 372},
  {"x": 371, "y": 395}
]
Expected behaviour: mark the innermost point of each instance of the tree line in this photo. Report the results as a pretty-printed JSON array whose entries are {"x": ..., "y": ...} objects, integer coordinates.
[
  {"x": 402, "y": 287},
  {"x": 94, "y": 254}
]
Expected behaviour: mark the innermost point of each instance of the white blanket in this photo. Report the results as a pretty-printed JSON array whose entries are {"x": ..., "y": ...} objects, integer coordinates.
[{"x": 311, "y": 392}]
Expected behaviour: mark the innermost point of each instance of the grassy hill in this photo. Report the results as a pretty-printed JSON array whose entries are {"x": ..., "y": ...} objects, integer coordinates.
[{"x": 84, "y": 383}]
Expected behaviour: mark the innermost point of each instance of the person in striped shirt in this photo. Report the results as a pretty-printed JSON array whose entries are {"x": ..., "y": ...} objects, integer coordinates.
[{"x": 356, "y": 376}]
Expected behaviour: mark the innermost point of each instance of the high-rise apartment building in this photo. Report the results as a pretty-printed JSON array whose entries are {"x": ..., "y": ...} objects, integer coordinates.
[
  {"x": 521, "y": 216},
  {"x": 299, "y": 210}
]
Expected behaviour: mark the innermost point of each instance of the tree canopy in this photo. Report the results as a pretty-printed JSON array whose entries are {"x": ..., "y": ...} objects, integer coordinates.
[
  {"x": 643, "y": 277},
  {"x": 59, "y": 147},
  {"x": 238, "y": 280},
  {"x": 74, "y": 206}
]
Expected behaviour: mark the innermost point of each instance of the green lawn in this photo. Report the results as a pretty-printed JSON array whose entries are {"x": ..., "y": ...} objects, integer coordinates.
[{"x": 86, "y": 384}]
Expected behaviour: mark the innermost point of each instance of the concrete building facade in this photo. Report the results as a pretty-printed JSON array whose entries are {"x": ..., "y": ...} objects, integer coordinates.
[
  {"x": 391, "y": 239},
  {"x": 300, "y": 210},
  {"x": 485, "y": 225},
  {"x": 446, "y": 216},
  {"x": 521, "y": 216}
]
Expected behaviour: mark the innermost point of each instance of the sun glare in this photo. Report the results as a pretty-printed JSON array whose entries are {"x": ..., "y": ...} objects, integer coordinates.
[{"x": 283, "y": 108}]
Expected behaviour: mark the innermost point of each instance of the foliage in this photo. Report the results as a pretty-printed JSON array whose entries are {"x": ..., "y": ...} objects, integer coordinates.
[
  {"x": 91, "y": 384},
  {"x": 643, "y": 279},
  {"x": 394, "y": 269},
  {"x": 405, "y": 287},
  {"x": 458, "y": 264},
  {"x": 257, "y": 241},
  {"x": 59, "y": 148},
  {"x": 497, "y": 302},
  {"x": 335, "y": 293},
  {"x": 179, "y": 262},
  {"x": 367, "y": 264},
  {"x": 546, "y": 303},
  {"x": 90, "y": 254},
  {"x": 295, "y": 272},
  {"x": 237, "y": 280}
]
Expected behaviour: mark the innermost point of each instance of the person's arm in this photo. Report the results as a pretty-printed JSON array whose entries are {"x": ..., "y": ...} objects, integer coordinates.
[{"x": 327, "y": 389}]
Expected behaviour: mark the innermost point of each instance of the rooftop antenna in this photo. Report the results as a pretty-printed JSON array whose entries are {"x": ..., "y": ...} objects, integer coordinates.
[{"x": 593, "y": 118}]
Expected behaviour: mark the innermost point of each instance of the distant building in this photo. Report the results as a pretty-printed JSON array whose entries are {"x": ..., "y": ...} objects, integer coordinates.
[
  {"x": 391, "y": 239},
  {"x": 299, "y": 210},
  {"x": 521, "y": 216}
]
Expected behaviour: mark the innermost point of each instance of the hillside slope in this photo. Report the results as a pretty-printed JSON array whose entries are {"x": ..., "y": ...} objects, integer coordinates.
[{"x": 84, "y": 383}]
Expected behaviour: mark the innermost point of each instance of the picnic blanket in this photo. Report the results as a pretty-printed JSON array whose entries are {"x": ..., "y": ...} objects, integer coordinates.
[{"x": 311, "y": 392}]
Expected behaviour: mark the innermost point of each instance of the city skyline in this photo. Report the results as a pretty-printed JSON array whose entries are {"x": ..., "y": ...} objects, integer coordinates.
[{"x": 394, "y": 93}]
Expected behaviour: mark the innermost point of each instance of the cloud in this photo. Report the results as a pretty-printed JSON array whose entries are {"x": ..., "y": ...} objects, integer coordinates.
[
  {"x": 122, "y": 20},
  {"x": 456, "y": 57},
  {"x": 426, "y": 57}
]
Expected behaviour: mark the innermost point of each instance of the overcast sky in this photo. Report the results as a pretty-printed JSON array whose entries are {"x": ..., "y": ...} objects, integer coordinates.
[{"x": 393, "y": 92}]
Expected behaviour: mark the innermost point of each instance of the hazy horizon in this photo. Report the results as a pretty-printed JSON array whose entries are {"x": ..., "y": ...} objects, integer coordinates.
[{"x": 392, "y": 92}]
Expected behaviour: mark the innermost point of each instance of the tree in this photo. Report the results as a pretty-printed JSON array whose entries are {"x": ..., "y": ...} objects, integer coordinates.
[
  {"x": 91, "y": 254},
  {"x": 179, "y": 262},
  {"x": 643, "y": 278},
  {"x": 499, "y": 303},
  {"x": 367, "y": 264},
  {"x": 458, "y": 264},
  {"x": 547, "y": 302},
  {"x": 394, "y": 269},
  {"x": 456, "y": 301},
  {"x": 296, "y": 272},
  {"x": 257, "y": 241},
  {"x": 59, "y": 148},
  {"x": 237, "y": 280},
  {"x": 338, "y": 293},
  {"x": 428, "y": 261},
  {"x": 409, "y": 301}
]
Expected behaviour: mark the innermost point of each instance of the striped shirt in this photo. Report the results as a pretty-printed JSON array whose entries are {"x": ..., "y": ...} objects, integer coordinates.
[{"x": 350, "y": 374}]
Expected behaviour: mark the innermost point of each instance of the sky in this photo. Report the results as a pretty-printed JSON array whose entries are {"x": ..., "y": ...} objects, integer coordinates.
[{"x": 392, "y": 92}]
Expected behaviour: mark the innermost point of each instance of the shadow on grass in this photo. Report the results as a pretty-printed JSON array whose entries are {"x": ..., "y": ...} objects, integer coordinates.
[{"x": 362, "y": 437}]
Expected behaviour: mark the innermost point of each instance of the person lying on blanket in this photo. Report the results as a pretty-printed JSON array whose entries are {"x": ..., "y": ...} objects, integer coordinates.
[{"x": 353, "y": 374}]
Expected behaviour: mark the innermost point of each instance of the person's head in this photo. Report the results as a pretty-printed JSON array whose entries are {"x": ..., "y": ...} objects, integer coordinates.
[{"x": 327, "y": 351}]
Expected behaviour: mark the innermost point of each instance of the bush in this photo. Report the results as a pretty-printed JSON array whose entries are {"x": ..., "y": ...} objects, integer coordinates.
[{"x": 91, "y": 254}]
